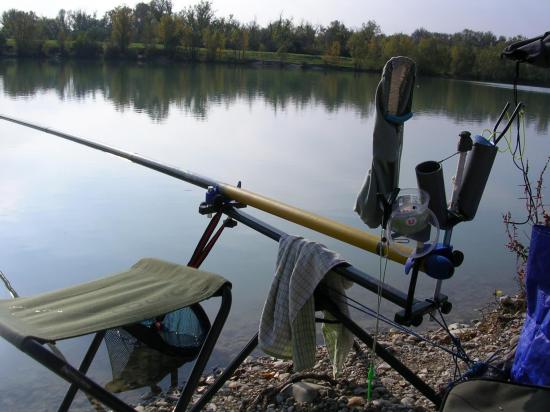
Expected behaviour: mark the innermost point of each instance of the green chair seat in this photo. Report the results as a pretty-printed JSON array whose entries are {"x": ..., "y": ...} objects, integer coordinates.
[{"x": 150, "y": 288}]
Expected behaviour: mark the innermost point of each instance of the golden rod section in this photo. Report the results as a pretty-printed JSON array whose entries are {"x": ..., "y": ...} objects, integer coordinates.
[{"x": 336, "y": 230}]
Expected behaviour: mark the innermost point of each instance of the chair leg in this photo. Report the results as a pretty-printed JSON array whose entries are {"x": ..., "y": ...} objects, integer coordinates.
[
  {"x": 206, "y": 350},
  {"x": 60, "y": 367},
  {"x": 227, "y": 373},
  {"x": 84, "y": 366}
]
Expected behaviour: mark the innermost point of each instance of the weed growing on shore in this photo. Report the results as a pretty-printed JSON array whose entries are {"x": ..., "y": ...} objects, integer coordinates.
[{"x": 537, "y": 214}]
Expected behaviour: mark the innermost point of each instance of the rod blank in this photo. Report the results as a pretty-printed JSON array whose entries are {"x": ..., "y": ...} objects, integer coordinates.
[{"x": 331, "y": 228}]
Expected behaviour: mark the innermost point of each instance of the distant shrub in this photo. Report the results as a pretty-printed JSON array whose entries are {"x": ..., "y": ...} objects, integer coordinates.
[
  {"x": 152, "y": 51},
  {"x": 84, "y": 47},
  {"x": 182, "y": 54},
  {"x": 30, "y": 48},
  {"x": 3, "y": 42},
  {"x": 112, "y": 51},
  {"x": 50, "y": 48}
]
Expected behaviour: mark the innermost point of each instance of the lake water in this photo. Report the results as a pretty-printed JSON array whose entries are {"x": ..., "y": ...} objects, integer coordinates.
[{"x": 69, "y": 214}]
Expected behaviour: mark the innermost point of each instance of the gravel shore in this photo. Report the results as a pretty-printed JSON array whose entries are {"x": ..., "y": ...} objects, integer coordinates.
[{"x": 267, "y": 384}]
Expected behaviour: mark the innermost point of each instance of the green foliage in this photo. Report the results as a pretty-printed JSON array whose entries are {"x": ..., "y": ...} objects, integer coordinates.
[
  {"x": 396, "y": 45},
  {"x": 361, "y": 45},
  {"x": 332, "y": 55},
  {"x": 23, "y": 27},
  {"x": 432, "y": 57},
  {"x": 85, "y": 47},
  {"x": 3, "y": 41},
  {"x": 203, "y": 35},
  {"x": 537, "y": 214},
  {"x": 462, "y": 60},
  {"x": 214, "y": 42},
  {"x": 170, "y": 32},
  {"x": 50, "y": 48},
  {"x": 81, "y": 22},
  {"x": 121, "y": 27},
  {"x": 336, "y": 32}
]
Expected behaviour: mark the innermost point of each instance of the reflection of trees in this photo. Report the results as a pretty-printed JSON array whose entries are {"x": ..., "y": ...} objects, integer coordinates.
[
  {"x": 468, "y": 101},
  {"x": 195, "y": 88}
]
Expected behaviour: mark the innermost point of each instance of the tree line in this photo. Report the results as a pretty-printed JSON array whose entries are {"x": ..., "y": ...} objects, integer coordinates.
[{"x": 195, "y": 33}]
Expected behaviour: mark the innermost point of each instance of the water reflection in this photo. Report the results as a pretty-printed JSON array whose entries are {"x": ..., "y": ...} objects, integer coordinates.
[{"x": 157, "y": 89}]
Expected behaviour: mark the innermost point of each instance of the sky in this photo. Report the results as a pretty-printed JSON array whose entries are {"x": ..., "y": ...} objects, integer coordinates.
[{"x": 502, "y": 17}]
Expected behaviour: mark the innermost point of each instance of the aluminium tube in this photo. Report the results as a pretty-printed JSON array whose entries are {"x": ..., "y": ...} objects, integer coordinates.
[
  {"x": 476, "y": 174},
  {"x": 429, "y": 176}
]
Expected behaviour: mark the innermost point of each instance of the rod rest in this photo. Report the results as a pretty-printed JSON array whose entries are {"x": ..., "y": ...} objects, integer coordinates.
[{"x": 215, "y": 202}]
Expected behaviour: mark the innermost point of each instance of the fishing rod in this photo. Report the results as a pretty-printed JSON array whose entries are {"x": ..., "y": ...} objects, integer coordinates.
[{"x": 321, "y": 224}]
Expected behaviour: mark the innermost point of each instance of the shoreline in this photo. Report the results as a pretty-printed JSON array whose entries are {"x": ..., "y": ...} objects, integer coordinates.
[
  {"x": 266, "y": 384},
  {"x": 303, "y": 62}
]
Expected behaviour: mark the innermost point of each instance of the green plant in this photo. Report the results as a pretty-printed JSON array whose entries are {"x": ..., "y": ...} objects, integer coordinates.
[
  {"x": 537, "y": 213},
  {"x": 84, "y": 47},
  {"x": 3, "y": 41}
]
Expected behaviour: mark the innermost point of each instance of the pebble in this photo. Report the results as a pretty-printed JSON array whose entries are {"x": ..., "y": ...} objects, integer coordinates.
[
  {"x": 387, "y": 381},
  {"x": 408, "y": 402},
  {"x": 359, "y": 390},
  {"x": 496, "y": 330},
  {"x": 233, "y": 385},
  {"x": 356, "y": 401},
  {"x": 283, "y": 376}
]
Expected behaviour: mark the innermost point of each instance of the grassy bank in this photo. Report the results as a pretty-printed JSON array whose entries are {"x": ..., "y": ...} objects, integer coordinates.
[{"x": 141, "y": 52}]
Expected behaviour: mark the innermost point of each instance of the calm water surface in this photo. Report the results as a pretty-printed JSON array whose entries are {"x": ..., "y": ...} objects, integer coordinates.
[{"x": 70, "y": 214}]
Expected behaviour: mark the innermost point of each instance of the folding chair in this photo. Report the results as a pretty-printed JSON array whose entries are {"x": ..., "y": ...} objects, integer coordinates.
[{"x": 149, "y": 290}]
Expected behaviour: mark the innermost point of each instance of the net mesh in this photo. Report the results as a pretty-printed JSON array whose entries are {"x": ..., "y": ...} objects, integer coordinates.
[{"x": 143, "y": 354}]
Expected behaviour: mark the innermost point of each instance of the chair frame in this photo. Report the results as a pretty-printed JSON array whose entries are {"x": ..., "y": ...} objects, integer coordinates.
[{"x": 79, "y": 381}]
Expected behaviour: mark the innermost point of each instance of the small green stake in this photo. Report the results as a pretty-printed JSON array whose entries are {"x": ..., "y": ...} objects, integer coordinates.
[{"x": 370, "y": 379}]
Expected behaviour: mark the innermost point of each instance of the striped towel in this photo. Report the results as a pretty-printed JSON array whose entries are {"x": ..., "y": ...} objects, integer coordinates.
[{"x": 287, "y": 327}]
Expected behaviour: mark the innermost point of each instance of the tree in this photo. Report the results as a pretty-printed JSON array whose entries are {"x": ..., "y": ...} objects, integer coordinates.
[
  {"x": 336, "y": 31},
  {"x": 304, "y": 38},
  {"x": 332, "y": 54},
  {"x": 2, "y": 42},
  {"x": 170, "y": 32},
  {"x": 280, "y": 35},
  {"x": 359, "y": 41},
  {"x": 235, "y": 41},
  {"x": 254, "y": 34},
  {"x": 85, "y": 47},
  {"x": 81, "y": 22},
  {"x": 63, "y": 30},
  {"x": 432, "y": 57},
  {"x": 143, "y": 18},
  {"x": 23, "y": 27},
  {"x": 244, "y": 42},
  {"x": 121, "y": 27},
  {"x": 160, "y": 8},
  {"x": 462, "y": 60},
  {"x": 214, "y": 43},
  {"x": 198, "y": 18},
  {"x": 396, "y": 45}
]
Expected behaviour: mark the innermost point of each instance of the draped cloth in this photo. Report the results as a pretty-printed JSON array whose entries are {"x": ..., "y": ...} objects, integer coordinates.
[
  {"x": 393, "y": 107},
  {"x": 287, "y": 327}
]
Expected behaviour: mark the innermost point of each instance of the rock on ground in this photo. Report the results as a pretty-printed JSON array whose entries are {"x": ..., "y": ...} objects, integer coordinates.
[{"x": 267, "y": 384}]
